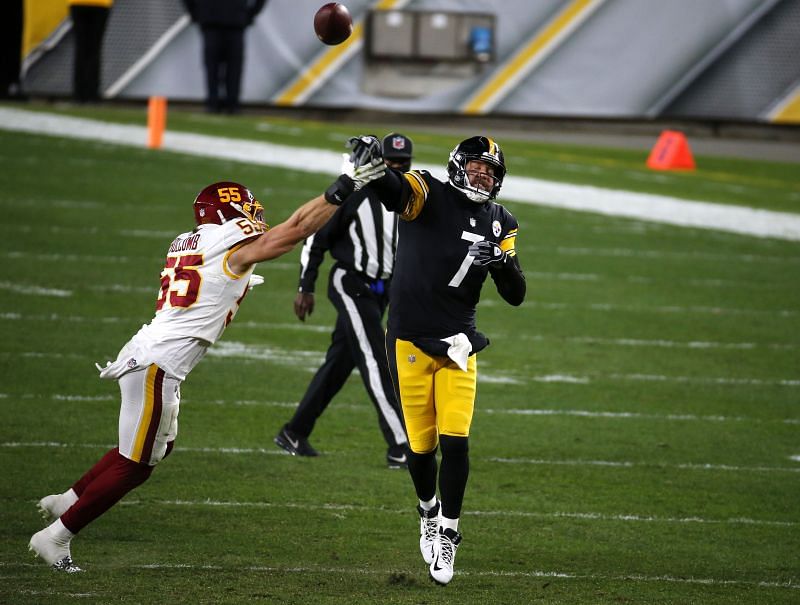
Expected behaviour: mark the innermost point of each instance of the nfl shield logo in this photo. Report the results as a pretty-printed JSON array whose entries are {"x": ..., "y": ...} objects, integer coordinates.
[
  {"x": 398, "y": 143},
  {"x": 471, "y": 222}
]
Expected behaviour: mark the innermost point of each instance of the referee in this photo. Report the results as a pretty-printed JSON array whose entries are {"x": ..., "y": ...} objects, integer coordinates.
[{"x": 362, "y": 238}]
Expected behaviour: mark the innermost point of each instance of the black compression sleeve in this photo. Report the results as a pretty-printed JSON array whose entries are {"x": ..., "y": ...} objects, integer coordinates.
[
  {"x": 510, "y": 280},
  {"x": 390, "y": 190}
]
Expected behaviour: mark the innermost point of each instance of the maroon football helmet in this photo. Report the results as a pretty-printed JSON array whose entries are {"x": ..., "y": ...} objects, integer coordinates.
[{"x": 225, "y": 201}]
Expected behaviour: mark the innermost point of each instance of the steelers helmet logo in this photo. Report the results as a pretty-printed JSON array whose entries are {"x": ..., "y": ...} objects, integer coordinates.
[{"x": 496, "y": 228}]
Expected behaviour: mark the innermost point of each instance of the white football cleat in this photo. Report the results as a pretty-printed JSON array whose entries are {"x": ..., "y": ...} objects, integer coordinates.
[
  {"x": 445, "y": 547},
  {"x": 53, "y": 549},
  {"x": 53, "y": 506},
  {"x": 428, "y": 531}
]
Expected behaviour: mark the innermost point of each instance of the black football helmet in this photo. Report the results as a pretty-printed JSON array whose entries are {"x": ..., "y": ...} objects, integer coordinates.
[{"x": 481, "y": 149}]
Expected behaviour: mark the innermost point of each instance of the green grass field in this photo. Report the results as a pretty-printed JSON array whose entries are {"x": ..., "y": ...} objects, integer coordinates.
[{"x": 636, "y": 436}]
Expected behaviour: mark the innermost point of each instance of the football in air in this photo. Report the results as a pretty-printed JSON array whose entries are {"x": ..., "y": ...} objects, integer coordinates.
[{"x": 333, "y": 24}]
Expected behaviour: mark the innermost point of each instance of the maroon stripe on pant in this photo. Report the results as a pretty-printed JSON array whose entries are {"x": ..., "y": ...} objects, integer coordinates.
[{"x": 155, "y": 417}]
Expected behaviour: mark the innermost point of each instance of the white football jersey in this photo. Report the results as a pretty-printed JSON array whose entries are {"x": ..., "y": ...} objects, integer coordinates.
[{"x": 198, "y": 298}]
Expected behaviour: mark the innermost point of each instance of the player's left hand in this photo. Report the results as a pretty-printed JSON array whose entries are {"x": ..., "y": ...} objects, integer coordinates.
[{"x": 485, "y": 253}]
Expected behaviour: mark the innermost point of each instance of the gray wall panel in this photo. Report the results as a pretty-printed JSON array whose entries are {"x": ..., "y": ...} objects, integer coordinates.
[
  {"x": 625, "y": 56},
  {"x": 745, "y": 81}
]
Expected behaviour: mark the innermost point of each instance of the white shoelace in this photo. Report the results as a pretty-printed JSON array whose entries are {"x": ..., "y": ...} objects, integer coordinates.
[
  {"x": 447, "y": 551},
  {"x": 430, "y": 528}
]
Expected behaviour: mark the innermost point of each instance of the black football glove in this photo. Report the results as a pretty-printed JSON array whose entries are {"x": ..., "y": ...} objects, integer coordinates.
[
  {"x": 364, "y": 164},
  {"x": 366, "y": 149},
  {"x": 486, "y": 253}
]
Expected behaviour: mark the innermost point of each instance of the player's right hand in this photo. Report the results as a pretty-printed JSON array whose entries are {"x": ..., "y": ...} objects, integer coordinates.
[{"x": 303, "y": 305}]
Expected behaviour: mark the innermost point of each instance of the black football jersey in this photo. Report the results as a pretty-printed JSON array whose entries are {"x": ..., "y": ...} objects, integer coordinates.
[{"x": 436, "y": 287}]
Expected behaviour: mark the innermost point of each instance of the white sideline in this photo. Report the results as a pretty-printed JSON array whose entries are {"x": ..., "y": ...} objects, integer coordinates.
[{"x": 647, "y": 207}]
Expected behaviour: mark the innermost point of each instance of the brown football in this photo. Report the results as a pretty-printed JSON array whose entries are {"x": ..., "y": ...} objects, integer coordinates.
[{"x": 333, "y": 24}]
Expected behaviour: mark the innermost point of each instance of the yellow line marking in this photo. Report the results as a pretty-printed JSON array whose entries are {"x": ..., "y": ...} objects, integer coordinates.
[
  {"x": 789, "y": 112},
  {"x": 524, "y": 57}
]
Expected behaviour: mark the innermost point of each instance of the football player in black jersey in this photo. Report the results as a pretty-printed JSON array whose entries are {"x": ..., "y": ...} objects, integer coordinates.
[{"x": 451, "y": 237}]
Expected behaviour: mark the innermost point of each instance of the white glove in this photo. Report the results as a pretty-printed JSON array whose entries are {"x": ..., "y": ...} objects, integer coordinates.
[{"x": 255, "y": 280}]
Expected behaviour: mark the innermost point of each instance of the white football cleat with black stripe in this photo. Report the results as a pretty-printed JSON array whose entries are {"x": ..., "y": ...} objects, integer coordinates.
[
  {"x": 428, "y": 531},
  {"x": 445, "y": 547}
]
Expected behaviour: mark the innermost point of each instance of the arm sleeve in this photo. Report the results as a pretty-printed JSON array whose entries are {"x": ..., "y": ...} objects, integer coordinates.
[
  {"x": 510, "y": 280},
  {"x": 402, "y": 192},
  {"x": 508, "y": 276}
]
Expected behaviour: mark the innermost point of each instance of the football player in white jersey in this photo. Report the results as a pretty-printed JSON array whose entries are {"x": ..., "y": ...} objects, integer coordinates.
[{"x": 206, "y": 275}]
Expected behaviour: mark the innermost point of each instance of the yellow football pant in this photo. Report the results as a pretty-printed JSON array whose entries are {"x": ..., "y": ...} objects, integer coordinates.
[{"x": 437, "y": 397}]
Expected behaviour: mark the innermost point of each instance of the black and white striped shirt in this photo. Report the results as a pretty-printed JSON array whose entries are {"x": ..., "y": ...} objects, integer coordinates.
[{"x": 361, "y": 236}]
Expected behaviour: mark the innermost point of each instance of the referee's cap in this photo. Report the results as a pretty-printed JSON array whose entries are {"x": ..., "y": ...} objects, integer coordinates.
[{"x": 397, "y": 146}]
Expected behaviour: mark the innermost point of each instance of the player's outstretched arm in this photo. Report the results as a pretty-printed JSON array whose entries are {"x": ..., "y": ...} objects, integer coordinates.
[
  {"x": 279, "y": 240},
  {"x": 510, "y": 280}
]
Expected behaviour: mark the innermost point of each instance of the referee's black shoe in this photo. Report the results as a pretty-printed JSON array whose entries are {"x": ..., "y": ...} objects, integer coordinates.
[
  {"x": 396, "y": 456},
  {"x": 294, "y": 443}
]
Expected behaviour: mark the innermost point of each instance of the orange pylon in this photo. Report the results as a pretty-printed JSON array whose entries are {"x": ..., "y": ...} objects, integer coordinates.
[
  {"x": 671, "y": 152},
  {"x": 156, "y": 121}
]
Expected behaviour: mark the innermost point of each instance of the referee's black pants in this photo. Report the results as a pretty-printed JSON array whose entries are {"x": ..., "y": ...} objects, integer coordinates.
[{"x": 357, "y": 341}]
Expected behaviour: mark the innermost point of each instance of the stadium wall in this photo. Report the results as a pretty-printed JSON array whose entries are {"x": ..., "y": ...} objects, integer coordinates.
[{"x": 619, "y": 59}]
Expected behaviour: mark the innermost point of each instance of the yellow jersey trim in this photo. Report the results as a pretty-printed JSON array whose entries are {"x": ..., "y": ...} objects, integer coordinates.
[
  {"x": 225, "y": 266},
  {"x": 419, "y": 194}
]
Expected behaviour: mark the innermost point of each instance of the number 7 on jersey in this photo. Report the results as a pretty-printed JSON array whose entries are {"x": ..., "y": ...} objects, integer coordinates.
[{"x": 456, "y": 280}]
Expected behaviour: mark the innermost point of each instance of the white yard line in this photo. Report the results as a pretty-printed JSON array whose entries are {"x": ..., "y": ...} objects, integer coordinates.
[
  {"x": 534, "y": 461},
  {"x": 590, "y": 516},
  {"x": 670, "y": 309},
  {"x": 307, "y": 327},
  {"x": 33, "y": 290},
  {"x": 661, "y": 254},
  {"x": 630, "y": 464},
  {"x": 308, "y": 360},
  {"x": 363, "y": 407},
  {"x": 648, "y": 207},
  {"x": 360, "y": 571}
]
